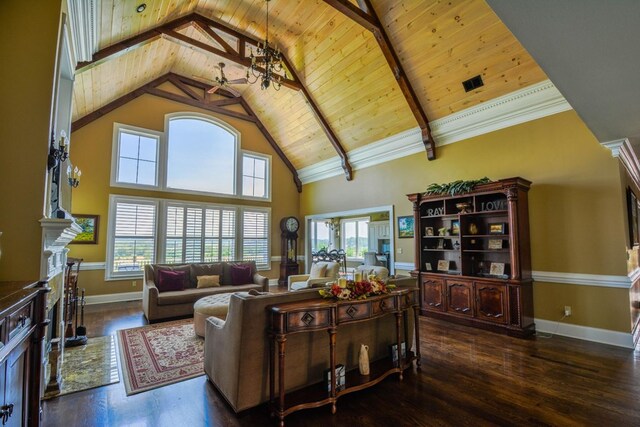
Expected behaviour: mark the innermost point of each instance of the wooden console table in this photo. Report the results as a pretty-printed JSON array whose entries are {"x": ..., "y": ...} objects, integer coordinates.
[{"x": 322, "y": 314}]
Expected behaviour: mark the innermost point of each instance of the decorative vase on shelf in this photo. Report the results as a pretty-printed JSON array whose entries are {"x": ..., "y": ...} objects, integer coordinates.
[{"x": 363, "y": 360}]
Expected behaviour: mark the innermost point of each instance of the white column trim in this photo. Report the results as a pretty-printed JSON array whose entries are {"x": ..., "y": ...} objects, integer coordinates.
[
  {"x": 531, "y": 103},
  {"x": 84, "y": 20}
]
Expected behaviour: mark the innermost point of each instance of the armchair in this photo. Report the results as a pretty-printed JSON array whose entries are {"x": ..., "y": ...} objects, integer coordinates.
[{"x": 321, "y": 273}]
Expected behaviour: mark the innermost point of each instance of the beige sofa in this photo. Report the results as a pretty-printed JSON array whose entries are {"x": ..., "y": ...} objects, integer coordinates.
[
  {"x": 236, "y": 356},
  {"x": 163, "y": 305}
]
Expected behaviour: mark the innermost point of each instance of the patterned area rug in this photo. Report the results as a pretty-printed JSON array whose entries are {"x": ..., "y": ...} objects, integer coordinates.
[
  {"x": 160, "y": 354},
  {"x": 88, "y": 366}
]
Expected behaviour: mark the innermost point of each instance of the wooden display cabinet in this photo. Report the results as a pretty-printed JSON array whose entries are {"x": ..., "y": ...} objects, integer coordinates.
[{"x": 473, "y": 256}]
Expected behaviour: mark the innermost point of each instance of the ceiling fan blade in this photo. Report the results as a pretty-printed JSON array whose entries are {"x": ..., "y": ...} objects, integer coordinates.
[
  {"x": 233, "y": 91},
  {"x": 238, "y": 81},
  {"x": 214, "y": 89}
]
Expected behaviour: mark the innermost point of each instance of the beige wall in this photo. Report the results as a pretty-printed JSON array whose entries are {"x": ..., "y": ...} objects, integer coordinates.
[
  {"x": 28, "y": 44},
  {"x": 576, "y": 216},
  {"x": 91, "y": 151}
]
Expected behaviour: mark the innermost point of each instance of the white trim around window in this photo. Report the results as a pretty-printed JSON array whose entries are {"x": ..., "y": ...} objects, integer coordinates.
[
  {"x": 162, "y": 159},
  {"x": 343, "y": 235},
  {"x": 261, "y": 230}
]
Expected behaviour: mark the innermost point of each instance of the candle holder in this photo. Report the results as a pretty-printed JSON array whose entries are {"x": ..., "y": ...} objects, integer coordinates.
[{"x": 60, "y": 153}]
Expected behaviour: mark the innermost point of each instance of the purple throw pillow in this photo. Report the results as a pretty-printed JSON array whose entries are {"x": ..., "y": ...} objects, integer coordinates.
[
  {"x": 241, "y": 274},
  {"x": 171, "y": 280}
]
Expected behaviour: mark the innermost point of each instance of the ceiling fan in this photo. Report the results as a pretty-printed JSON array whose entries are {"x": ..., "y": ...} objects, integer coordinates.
[{"x": 223, "y": 82}]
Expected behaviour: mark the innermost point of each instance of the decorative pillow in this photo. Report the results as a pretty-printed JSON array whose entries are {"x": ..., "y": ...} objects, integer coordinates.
[
  {"x": 208, "y": 281},
  {"x": 318, "y": 270},
  {"x": 171, "y": 280},
  {"x": 240, "y": 274},
  {"x": 205, "y": 269},
  {"x": 175, "y": 267}
]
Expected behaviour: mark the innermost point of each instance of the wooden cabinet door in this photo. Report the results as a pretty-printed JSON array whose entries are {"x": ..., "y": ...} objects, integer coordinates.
[
  {"x": 432, "y": 294},
  {"x": 491, "y": 302},
  {"x": 460, "y": 297}
]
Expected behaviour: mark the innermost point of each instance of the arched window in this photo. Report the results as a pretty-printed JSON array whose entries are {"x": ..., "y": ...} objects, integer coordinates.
[
  {"x": 196, "y": 153},
  {"x": 201, "y": 156}
]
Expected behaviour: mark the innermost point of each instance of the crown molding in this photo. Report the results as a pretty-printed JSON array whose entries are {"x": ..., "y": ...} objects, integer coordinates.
[
  {"x": 622, "y": 149},
  {"x": 531, "y": 103}
]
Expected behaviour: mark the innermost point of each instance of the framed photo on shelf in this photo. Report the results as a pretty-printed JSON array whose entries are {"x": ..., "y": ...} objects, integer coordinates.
[
  {"x": 428, "y": 231},
  {"x": 443, "y": 265},
  {"x": 455, "y": 227},
  {"x": 497, "y": 228},
  {"x": 427, "y": 266},
  {"x": 494, "y": 244},
  {"x": 496, "y": 269},
  {"x": 89, "y": 225},
  {"x": 405, "y": 227}
]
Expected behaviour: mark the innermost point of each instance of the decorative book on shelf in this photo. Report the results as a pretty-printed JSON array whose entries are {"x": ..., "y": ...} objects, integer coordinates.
[{"x": 473, "y": 254}]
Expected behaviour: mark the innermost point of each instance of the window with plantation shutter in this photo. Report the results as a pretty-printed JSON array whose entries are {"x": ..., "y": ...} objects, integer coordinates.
[
  {"x": 196, "y": 234},
  {"x": 144, "y": 230},
  {"x": 255, "y": 237},
  {"x": 134, "y": 233}
]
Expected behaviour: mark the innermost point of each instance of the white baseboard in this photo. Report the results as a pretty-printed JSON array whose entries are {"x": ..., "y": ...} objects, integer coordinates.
[
  {"x": 603, "y": 336},
  {"x": 107, "y": 298}
]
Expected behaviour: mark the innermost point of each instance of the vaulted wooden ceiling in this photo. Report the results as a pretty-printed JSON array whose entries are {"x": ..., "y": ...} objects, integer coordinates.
[{"x": 439, "y": 45}]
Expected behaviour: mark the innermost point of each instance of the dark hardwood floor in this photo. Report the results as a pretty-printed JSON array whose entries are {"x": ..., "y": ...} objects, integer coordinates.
[{"x": 468, "y": 377}]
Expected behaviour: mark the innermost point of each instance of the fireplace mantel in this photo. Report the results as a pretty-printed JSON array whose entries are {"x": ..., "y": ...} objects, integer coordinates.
[{"x": 56, "y": 235}]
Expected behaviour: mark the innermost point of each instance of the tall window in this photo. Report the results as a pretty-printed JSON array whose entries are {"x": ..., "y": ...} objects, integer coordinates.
[
  {"x": 195, "y": 234},
  {"x": 137, "y": 154},
  {"x": 201, "y": 156},
  {"x": 355, "y": 237},
  {"x": 134, "y": 242},
  {"x": 319, "y": 235},
  {"x": 254, "y": 175},
  {"x": 255, "y": 236}
]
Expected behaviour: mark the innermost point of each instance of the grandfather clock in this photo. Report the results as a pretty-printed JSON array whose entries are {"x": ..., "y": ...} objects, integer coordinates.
[{"x": 289, "y": 248}]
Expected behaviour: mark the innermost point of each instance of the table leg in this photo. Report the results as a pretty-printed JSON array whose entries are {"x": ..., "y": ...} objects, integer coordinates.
[
  {"x": 417, "y": 334},
  {"x": 272, "y": 374},
  {"x": 399, "y": 343},
  {"x": 281, "y": 354},
  {"x": 332, "y": 366}
]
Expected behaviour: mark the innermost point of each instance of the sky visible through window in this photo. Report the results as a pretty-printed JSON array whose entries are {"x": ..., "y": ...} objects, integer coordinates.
[{"x": 201, "y": 156}]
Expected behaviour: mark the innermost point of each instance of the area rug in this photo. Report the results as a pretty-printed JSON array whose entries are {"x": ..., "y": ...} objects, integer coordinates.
[
  {"x": 88, "y": 366},
  {"x": 160, "y": 354}
]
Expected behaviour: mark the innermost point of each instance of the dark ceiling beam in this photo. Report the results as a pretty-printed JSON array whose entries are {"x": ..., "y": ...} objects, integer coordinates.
[
  {"x": 169, "y": 31},
  {"x": 132, "y": 43},
  {"x": 273, "y": 144},
  {"x": 183, "y": 83},
  {"x": 370, "y": 21}
]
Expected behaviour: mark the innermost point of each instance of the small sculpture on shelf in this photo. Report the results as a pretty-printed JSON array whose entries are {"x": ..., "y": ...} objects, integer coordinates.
[
  {"x": 442, "y": 231},
  {"x": 463, "y": 207},
  {"x": 363, "y": 360}
]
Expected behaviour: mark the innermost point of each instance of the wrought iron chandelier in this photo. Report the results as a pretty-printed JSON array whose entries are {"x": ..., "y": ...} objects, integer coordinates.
[{"x": 266, "y": 64}]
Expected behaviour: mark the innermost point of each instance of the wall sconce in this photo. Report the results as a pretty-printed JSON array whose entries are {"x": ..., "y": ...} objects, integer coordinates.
[
  {"x": 59, "y": 153},
  {"x": 74, "y": 176}
]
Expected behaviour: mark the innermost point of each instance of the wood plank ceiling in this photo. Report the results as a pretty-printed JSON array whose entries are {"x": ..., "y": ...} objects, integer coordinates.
[{"x": 439, "y": 43}]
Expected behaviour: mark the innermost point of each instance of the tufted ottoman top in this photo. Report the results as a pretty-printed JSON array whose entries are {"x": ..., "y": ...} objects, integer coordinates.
[{"x": 213, "y": 304}]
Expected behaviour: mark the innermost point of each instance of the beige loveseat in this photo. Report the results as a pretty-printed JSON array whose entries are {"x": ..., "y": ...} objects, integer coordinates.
[
  {"x": 162, "y": 305},
  {"x": 236, "y": 355},
  {"x": 328, "y": 273}
]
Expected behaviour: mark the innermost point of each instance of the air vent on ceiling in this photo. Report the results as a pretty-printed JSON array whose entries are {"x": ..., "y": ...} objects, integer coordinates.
[{"x": 472, "y": 83}]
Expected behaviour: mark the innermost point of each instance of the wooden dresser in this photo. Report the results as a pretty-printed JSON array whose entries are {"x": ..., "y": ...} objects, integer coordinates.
[{"x": 22, "y": 326}]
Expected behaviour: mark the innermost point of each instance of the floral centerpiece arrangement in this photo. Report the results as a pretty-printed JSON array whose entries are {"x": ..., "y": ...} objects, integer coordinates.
[{"x": 344, "y": 289}]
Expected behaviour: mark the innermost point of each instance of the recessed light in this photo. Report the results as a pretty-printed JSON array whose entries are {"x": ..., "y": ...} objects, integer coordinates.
[
  {"x": 141, "y": 8},
  {"x": 472, "y": 83}
]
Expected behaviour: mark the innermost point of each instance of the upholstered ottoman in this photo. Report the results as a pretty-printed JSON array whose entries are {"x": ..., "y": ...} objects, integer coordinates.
[{"x": 212, "y": 305}]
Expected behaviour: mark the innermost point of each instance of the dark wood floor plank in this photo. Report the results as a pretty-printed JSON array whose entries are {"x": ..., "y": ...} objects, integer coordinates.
[{"x": 469, "y": 377}]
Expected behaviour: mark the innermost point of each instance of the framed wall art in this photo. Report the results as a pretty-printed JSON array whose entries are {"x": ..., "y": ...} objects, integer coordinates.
[
  {"x": 89, "y": 225},
  {"x": 405, "y": 227}
]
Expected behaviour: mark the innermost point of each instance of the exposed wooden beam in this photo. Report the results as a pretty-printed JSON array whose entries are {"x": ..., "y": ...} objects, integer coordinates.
[
  {"x": 370, "y": 21},
  {"x": 95, "y": 115},
  {"x": 168, "y": 30},
  {"x": 131, "y": 43},
  {"x": 183, "y": 83},
  {"x": 185, "y": 88},
  {"x": 273, "y": 144},
  {"x": 215, "y": 36}
]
